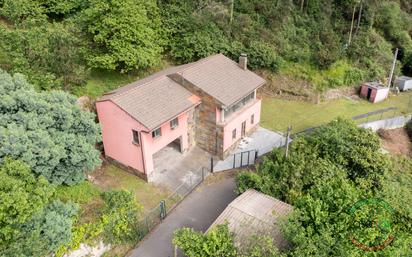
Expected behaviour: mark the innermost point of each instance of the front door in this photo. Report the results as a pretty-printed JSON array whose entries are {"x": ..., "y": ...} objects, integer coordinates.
[{"x": 243, "y": 131}]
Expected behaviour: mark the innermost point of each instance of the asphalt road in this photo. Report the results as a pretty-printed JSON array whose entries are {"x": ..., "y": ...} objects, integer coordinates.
[{"x": 198, "y": 211}]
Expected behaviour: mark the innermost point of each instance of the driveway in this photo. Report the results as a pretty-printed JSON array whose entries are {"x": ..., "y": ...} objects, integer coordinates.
[
  {"x": 172, "y": 168},
  {"x": 262, "y": 140},
  {"x": 197, "y": 211}
]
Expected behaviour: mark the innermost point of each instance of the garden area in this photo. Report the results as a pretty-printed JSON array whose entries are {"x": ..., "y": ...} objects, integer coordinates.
[{"x": 277, "y": 114}]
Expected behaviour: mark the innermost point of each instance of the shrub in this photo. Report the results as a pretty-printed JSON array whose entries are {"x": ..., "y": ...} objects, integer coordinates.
[
  {"x": 47, "y": 131},
  {"x": 45, "y": 232},
  {"x": 120, "y": 216},
  {"x": 22, "y": 195},
  {"x": 80, "y": 193},
  {"x": 216, "y": 243}
]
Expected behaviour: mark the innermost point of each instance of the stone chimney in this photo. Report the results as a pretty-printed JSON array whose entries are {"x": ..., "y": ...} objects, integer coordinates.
[{"x": 243, "y": 61}]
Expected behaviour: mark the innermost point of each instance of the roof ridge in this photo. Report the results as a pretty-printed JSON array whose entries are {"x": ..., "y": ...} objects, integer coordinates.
[{"x": 200, "y": 61}]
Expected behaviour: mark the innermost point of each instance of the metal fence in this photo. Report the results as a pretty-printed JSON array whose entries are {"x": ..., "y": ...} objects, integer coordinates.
[
  {"x": 385, "y": 113},
  {"x": 244, "y": 159},
  {"x": 155, "y": 216}
]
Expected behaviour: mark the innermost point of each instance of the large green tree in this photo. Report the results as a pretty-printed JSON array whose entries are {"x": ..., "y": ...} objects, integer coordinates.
[
  {"x": 22, "y": 195},
  {"x": 124, "y": 35},
  {"x": 46, "y": 130}
]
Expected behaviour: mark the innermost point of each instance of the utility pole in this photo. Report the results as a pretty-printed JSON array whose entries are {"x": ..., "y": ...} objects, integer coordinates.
[
  {"x": 302, "y": 2},
  {"x": 393, "y": 67},
  {"x": 232, "y": 6},
  {"x": 287, "y": 141},
  {"x": 359, "y": 17},
  {"x": 351, "y": 26}
]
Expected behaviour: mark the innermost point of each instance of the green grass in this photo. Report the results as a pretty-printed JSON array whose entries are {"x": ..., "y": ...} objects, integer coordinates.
[
  {"x": 277, "y": 114},
  {"x": 146, "y": 194},
  {"x": 102, "y": 81},
  {"x": 81, "y": 193}
]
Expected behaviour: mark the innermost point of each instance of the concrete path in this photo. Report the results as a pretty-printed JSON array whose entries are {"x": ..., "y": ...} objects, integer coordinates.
[
  {"x": 262, "y": 140},
  {"x": 198, "y": 211}
]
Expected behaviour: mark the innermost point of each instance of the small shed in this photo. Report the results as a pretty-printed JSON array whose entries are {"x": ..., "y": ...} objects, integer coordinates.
[
  {"x": 403, "y": 83},
  {"x": 374, "y": 91},
  {"x": 254, "y": 213}
]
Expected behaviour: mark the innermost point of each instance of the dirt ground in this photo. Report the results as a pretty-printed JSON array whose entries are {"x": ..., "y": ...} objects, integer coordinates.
[{"x": 396, "y": 141}]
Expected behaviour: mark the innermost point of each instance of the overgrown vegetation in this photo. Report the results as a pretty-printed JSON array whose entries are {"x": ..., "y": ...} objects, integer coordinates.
[
  {"x": 56, "y": 43},
  {"x": 323, "y": 177},
  {"x": 47, "y": 131}
]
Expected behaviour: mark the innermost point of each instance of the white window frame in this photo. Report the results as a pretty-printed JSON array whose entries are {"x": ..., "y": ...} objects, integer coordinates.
[
  {"x": 157, "y": 133},
  {"x": 174, "y": 123}
]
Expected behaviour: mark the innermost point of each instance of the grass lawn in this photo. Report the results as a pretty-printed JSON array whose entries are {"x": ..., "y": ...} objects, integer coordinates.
[{"x": 277, "y": 114}]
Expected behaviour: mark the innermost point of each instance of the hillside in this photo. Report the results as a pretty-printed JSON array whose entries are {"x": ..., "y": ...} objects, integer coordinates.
[{"x": 310, "y": 45}]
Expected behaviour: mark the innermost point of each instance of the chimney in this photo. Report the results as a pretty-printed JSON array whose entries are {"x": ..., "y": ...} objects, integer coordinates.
[{"x": 243, "y": 61}]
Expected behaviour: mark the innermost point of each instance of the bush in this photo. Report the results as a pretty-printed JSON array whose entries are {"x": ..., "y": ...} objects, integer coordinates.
[
  {"x": 120, "y": 216},
  {"x": 216, "y": 243},
  {"x": 45, "y": 232},
  {"x": 47, "y": 131},
  {"x": 22, "y": 195},
  {"x": 247, "y": 180},
  {"x": 80, "y": 193}
]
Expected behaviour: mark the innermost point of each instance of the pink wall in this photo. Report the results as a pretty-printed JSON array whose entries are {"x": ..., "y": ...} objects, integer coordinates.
[
  {"x": 153, "y": 145},
  {"x": 236, "y": 119},
  {"x": 117, "y": 135}
]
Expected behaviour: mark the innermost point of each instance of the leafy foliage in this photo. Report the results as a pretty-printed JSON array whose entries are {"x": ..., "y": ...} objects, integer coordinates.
[
  {"x": 117, "y": 44},
  {"x": 22, "y": 196},
  {"x": 325, "y": 175},
  {"x": 45, "y": 232},
  {"x": 120, "y": 216},
  {"x": 47, "y": 131},
  {"x": 216, "y": 243}
]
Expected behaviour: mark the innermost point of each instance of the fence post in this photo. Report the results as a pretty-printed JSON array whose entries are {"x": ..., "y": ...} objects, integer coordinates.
[
  {"x": 256, "y": 154},
  {"x": 248, "y": 158},
  {"x": 287, "y": 140},
  {"x": 211, "y": 164},
  {"x": 234, "y": 160},
  {"x": 162, "y": 209}
]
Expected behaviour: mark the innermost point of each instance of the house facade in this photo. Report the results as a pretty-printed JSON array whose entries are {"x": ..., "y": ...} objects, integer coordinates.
[{"x": 210, "y": 103}]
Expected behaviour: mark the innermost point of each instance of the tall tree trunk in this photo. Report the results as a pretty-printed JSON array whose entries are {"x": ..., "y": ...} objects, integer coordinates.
[
  {"x": 351, "y": 26},
  {"x": 359, "y": 17},
  {"x": 302, "y": 2}
]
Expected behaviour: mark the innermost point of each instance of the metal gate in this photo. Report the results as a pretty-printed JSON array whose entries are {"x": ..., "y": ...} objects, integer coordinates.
[{"x": 245, "y": 158}]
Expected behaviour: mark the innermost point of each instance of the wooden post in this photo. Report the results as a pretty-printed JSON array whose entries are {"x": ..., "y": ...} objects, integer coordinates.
[
  {"x": 351, "y": 26},
  {"x": 359, "y": 17},
  {"x": 211, "y": 164},
  {"x": 287, "y": 140},
  {"x": 232, "y": 6},
  {"x": 393, "y": 67}
]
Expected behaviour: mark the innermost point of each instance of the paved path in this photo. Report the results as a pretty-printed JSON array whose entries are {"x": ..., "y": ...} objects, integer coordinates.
[
  {"x": 262, "y": 140},
  {"x": 198, "y": 211}
]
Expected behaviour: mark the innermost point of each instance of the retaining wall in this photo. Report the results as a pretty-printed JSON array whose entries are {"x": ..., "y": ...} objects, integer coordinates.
[{"x": 391, "y": 123}]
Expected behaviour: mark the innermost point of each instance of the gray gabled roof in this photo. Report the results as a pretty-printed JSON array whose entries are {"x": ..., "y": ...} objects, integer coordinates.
[
  {"x": 154, "y": 102},
  {"x": 222, "y": 78},
  {"x": 157, "y": 98},
  {"x": 254, "y": 213}
]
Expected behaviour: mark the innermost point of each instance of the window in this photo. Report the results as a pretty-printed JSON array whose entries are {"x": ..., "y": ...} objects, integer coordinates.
[
  {"x": 252, "y": 119},
  {"x": 240, "y": 104},
  {"x": 174, "y": 123},
  {"x": 135, "y": 137},
  {"x": 234, "y": 134},
  {"x": 156, "y": 133}
]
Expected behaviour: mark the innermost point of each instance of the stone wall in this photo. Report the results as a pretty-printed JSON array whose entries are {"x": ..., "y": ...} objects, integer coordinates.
[
  {"x": 208, "y": 135},
  {"x": 192, "y": 119}
]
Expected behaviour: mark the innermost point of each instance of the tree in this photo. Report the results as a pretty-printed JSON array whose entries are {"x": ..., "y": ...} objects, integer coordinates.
[
  {"x": 125, "y": 35},
  {"x": 216, "y": 243},
  {"x": 47, "y": 131},
  {"x": 45, "y": 232},
  {"x": 22, "y": 195},
  {"x": 50, "y": 54}
]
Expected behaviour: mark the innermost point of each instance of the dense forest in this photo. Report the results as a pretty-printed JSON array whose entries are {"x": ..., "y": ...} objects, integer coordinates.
[{"x": 327, "y": 43}]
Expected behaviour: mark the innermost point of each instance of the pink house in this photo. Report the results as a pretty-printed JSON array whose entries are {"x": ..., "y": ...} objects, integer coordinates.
[{"x": 210, "y": 103}]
